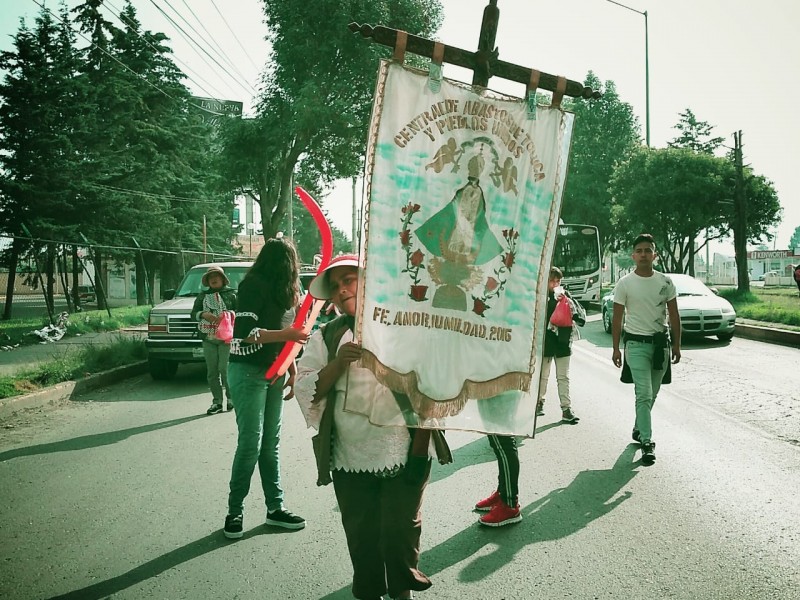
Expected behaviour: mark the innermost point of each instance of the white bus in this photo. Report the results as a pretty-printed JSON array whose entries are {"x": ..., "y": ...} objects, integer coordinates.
[{"x": 577, "y": 254}]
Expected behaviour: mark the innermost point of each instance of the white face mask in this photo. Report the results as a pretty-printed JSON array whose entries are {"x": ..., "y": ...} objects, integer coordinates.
[{"x": 558, "y": 291}]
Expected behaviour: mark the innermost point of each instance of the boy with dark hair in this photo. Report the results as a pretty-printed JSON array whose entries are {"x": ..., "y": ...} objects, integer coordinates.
[{"x": 645, "y": 297}]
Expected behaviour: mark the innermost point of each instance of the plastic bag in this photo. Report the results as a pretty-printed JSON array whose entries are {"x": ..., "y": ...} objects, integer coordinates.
[
  {"x": 224, "y": 331},
  {"x": 578, "y": 313},
  {"x": 562, "y": 315}
]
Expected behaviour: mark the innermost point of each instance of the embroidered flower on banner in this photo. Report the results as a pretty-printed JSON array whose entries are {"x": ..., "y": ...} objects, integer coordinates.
[
  {"x": 495, "y": 284},
  {"x": 414, "y": 257}
]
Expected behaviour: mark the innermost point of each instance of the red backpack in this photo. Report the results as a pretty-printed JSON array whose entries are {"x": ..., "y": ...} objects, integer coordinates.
[{"x": 797, "y": 273}]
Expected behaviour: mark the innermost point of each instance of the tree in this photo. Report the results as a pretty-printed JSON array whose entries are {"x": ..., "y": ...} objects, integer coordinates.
[
  {"x": 605, "y": 132},
  {"x": 677, "y": 193},
  {"x": 147, "y": 167},
  {"x": 695, "y": 135},
  {"x": 314, "y": 111},
  {"x": 38, "y": 119},
  {"x": 794, "y": 242}
]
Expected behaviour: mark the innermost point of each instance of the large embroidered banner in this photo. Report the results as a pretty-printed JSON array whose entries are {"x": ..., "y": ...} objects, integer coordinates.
[{"x": 463, "y": 198}]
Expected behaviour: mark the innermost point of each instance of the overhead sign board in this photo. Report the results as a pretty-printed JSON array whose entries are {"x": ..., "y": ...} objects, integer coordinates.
[{"x": 213, "y": 109}]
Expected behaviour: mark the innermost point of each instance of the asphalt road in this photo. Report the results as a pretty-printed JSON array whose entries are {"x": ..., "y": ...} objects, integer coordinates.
[{"x": 123, "y": 494}]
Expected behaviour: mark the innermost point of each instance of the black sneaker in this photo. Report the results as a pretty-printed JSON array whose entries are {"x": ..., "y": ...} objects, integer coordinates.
[
  {"x": 230, "y": 405},
  {"x": 284, "y": 518},
  {"x": 215, "y": 409},
  {"x": 648, "y": 453},
  {"x": 540, "y": 409},
  {"x": 568, "y": 416},
  {"x": 635, "y": 435},
  {"x": 233, "y": 527}
]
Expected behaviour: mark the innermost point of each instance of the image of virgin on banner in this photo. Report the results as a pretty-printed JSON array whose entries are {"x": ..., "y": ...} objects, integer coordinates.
[{"x": 463, "y": 199}]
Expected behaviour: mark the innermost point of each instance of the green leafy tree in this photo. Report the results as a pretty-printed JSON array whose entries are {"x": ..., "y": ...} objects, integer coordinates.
[
  {"x": 794, "y": 242},
  {"x": 676, "y": 194},
  {"x": 605, "y": 132},
  {"x": 695, "y": 135},
  {"x": 38, "y": 119},
  {"x": 314, "y": 111},
  {"x": 147, "y": 168}
]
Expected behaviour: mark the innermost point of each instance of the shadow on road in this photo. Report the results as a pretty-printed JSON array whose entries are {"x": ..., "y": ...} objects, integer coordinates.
[
  {"x": 189, "y": 381},
  {"x": 213, "y": 541},
  {"x": 562, "y": 512},
  {"x": 92, "y": 441},
  {"x": 559, "y": 514}
]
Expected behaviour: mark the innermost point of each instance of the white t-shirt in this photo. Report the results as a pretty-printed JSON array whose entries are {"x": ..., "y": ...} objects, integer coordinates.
[{"x": 645, "y": 301}]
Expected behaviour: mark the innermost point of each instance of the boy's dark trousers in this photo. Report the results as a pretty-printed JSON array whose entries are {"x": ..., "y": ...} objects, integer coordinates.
[{"x": 505, "y": 449}]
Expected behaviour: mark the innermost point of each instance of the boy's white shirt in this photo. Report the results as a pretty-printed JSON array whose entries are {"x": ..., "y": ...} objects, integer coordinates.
[{"x": 645, "y": 301}]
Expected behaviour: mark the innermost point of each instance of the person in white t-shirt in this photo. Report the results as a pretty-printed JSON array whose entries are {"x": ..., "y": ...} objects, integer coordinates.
[{"x": 645, "y": 297}]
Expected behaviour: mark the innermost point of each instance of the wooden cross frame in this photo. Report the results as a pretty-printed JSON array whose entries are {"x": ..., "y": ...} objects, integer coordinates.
[{"x": 483, "y": 63}]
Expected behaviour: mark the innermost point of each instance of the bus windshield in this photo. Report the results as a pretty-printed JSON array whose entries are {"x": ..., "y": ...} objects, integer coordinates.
[{"x": 577, "y": 250}]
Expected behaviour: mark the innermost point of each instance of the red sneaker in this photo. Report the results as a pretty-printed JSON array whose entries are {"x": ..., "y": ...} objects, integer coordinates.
[
  {"x": 488, "y": 503},
  {"x": 501, "y": 514}
]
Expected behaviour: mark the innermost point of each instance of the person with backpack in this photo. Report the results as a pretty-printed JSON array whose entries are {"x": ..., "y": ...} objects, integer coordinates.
[
  {"x": 379, "y": 474},
  {"x": 208, "y": 309},
  {"x": 558, "y": 347}
]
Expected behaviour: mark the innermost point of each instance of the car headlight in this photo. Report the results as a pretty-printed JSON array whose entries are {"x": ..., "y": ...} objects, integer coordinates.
[
  {"x": 157, "y": 323},
  {"x": 728, "y": 310}
]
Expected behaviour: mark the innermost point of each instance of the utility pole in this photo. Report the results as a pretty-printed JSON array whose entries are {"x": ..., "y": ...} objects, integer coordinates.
[
  {"x": 355, "y": 220},
  {"x": 740, "y": 216},
  {"x": 646, "y": 69},
  {"x": 289, "y": 213}
]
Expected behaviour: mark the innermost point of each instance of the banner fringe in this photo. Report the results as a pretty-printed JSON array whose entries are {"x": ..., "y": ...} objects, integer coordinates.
[{"x": 430, "y": 408}]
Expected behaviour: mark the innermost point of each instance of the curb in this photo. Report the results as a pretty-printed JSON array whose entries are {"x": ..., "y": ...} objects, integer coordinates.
[
  {"x": 68, "y": 390},
  {"x": 768, "y": 334}
]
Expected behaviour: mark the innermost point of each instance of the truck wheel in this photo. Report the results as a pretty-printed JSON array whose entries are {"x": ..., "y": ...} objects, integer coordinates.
[{"x": 161, "y": 370}]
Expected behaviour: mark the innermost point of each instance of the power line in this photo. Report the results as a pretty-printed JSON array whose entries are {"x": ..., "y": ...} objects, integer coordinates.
[
  {"x": 112, "y": 188},
  {"x": 194, "y": 44},
  {"x": 233, "y": 33},
  {"x": 83, "y": 244},
  {"x": 111, "y": 56},
  {"x": 220, "y": 52},
  {"x": 114, "y": 58},
  {"x": 124, "y": 20}
]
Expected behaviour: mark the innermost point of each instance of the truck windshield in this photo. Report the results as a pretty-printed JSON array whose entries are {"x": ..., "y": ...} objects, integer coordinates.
[{"x": 191, "y": 284}]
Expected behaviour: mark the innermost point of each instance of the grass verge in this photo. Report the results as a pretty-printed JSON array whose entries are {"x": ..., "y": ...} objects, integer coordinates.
[
  {"x": 771, "y": 305},
  {"x": 87, "y": 360}
]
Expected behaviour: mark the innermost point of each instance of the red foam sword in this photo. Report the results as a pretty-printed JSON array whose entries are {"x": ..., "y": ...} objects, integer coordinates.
[{"x": 311, "y": 307}]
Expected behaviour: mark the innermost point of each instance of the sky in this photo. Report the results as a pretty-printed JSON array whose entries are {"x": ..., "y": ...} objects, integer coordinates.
[{"x": 732, "y": 62}]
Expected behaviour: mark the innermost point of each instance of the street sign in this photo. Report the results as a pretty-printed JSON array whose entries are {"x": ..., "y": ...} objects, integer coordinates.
[{"x": 212, "y": 109}]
